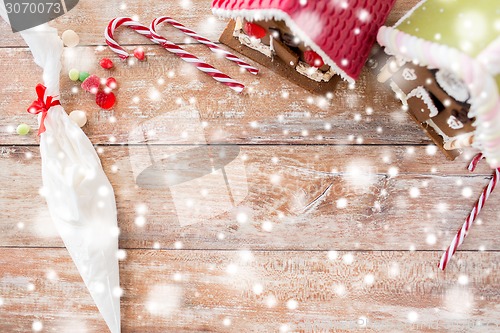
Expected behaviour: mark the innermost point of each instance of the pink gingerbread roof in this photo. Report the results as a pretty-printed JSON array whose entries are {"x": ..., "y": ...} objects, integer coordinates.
[{"x": 342, "y": 32}]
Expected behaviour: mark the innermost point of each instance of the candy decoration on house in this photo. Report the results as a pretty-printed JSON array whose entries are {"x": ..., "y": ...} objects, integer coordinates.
[
  {"x": 71, "y": 170},
  {"x": 171, "y": 47},
  {"x": 311, "y": 43},
  {"x": 445, "y": 67}
]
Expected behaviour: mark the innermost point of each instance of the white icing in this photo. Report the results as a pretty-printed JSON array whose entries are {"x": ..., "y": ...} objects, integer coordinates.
[
  {"x": 452, "y": 85},
  {"x": 313, "y": 73},
  {"x": 454, "y": 123},
  {"x": 450, "y": 143},
  {"x": 438, "y": 130},
  {"x": 409, "y": 74},
  {"x": 255, "y": 44},
  {"x": 420, "y": 92},
  {"x": 399, "y": 93}
]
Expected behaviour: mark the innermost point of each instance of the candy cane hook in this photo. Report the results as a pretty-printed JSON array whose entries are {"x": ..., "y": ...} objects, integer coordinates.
[
  {"x": 211, "y": 45},
  {"x": 128, "y": 22},
  {"x": 190, "y": 58}
]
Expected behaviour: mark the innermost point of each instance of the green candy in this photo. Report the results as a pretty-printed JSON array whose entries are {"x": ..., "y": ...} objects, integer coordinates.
[
  {"x": 83, "y": 76},
  {"x": 23, "y": 129},
  {"x": 74, "y": 74}
]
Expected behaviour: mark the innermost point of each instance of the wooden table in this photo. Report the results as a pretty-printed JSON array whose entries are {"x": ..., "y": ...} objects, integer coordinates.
[{"x": 340, "y": 219}]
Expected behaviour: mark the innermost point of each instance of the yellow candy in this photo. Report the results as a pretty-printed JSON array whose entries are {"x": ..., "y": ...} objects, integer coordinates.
[
  {"x": 23, "y": 129},
  {"x": 74, "y": 74}
]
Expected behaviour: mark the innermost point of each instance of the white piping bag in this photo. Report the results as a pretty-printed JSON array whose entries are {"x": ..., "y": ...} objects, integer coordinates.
[{"x": 79, "y": 196}]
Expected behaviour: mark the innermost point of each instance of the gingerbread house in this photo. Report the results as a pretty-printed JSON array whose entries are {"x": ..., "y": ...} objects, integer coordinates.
[
  {"x": 443, "y": 62},
  {"x": 312, "y": 43}
]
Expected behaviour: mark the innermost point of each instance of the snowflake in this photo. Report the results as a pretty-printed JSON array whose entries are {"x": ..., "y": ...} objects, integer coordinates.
[
  {"x": 257, "y": 289},
  {"x": 412, "y": 316},
  {"x": 332, "y": 255},
  {"x": 267, "y": 226},
  {"x": 364, "y": 15},
  {"x": 431, "y": 150},
  {"x": 414, "y": 192},
  {"x": 37, "y": 326},
  {"x": 292, "y": 304},
  {"x": 369, "y": 279},
  {"x": 232, "y": 269},
  {"x": 271, "y": 301},
  {"x": 342, "y": 203},
  {"x": 348, "y": 258},
  {"x": 431, "y": 239},
  {"x": 467, "y": 192},
  {"x": 463, "y": 280},
  {"x": 140, "y": 221}
]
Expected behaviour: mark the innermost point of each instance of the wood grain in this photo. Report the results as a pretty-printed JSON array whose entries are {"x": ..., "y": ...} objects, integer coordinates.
[
  {"x": 295, "y": 189},
  {"x": 368, "y": 114},
  {"x": 207, "y": 291},
  {"x": 289, "y": 159}
]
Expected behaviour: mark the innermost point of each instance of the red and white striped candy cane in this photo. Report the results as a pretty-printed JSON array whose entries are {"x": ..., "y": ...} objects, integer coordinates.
[
  {"x": 211, "y": 45},
  {"x": 188, "y": 57},
  {"x": 462, "y": 232},
  {"x": 128, "y": 22},
  {"x": 145, "y": 31}
]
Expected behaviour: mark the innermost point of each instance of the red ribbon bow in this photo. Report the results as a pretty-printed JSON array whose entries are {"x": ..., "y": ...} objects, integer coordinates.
[{"x": 42, "y": 105}]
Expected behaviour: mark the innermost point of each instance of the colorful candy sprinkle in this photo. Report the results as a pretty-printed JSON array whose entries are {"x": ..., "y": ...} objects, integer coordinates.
[
  {"x": 91, "y": 84},
  {"x": 111, "y": 83},
  {"x": 139, "y": 53},
  {"x": 105, "y": 100},
  {"x": 23, "y": 129},
  {"x": 74, "y": 74},
  {"x": 83, "y": 76},
  {"x": 106, "y": 63}
]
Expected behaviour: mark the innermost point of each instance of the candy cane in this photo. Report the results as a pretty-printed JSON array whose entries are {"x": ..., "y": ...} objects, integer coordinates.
[
  {"x": 128, "y": 22},
  {"x": 188, "y": 57},
  {"x": 462, "y": 232},
  {"x": 211, "y": 45}
]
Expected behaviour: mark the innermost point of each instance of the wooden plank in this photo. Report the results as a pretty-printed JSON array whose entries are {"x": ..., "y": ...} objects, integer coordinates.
[
  {"x": 270, "y": 197},
  {"x": 89, "y": 19},
  {"x": 273, "y": 110},
  {"x": 233, "y": 291}
]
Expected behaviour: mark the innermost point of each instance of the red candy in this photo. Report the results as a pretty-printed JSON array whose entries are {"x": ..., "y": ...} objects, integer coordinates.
[
  {"x": 254, "y": 30},
  {"x": 106, "y": 63},
  {"x": 139, "y": 53},
  {"x": 111, "y": 83},
  {"x": 105, "y": 100},
  {"x": 313, "y": 59},
  {"x": 91, "y": 84}
]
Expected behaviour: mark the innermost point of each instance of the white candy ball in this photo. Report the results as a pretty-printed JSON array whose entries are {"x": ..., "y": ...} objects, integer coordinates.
[
  {"x": 79, "y": 117},
  {"x": 70, "y": 38}
]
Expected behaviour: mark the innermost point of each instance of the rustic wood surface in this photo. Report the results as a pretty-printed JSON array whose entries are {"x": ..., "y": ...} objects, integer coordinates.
[{"x": 326, "y": 214}]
